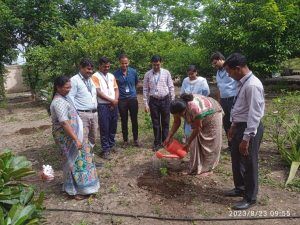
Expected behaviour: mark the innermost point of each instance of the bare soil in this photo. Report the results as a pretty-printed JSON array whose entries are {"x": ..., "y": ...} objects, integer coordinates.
[{"x": 132, "y": 182}]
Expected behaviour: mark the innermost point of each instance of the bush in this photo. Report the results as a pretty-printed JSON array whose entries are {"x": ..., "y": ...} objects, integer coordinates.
[
  {"x": 17, "y": 203},
  {"x": 283, "y": 123},
  {"x": 93, "y": 40}
]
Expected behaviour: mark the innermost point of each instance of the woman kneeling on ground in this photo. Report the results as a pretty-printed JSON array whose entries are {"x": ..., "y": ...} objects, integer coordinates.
[
  {"x": 204, "y": 114},
  {"x": 79, "y": 171}
]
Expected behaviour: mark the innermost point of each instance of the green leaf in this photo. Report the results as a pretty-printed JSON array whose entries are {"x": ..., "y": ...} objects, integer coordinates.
[
  {"x": 26, "y": 195},
  {"x": 293, "y": 171},
  {"x": 1, "y": 217}
]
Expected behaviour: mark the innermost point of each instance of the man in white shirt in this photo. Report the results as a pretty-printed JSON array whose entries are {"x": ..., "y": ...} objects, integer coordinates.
[
  {"x": 246, "y": 130},
  {"x": 108, "y": 95},
  {"x": 158, "y": 91},
  {"x": 84, "y": 97}
]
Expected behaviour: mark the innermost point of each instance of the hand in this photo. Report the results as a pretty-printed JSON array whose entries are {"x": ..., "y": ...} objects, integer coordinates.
[
  {"x": 243, "y": 148},
  {"x": 147, "y": 109},
  {"x": 187, "y": 146},
  {"x": 230, "y": 133},
  {"x": 78, "y": 144},
  {"x": 115, "y": 102},
  {"x": 168, "y": 140}
]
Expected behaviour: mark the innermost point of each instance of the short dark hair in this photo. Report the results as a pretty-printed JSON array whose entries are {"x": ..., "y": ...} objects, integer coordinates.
[
  {"x": 123, "y": 56},
  {"x": 85, "y": 62},
  {"x": 235, "y": 59},
  {"x": 217, "y": 56},
  {"x": 103, "y": 60},
  {"x": 192, "y": 68},
  {"x": 156, "y": 58}
]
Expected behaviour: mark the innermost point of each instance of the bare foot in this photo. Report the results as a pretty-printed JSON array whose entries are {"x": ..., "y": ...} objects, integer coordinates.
[
  {"x": 206, "y": 174},
  {"x": 80, "y": 197}
]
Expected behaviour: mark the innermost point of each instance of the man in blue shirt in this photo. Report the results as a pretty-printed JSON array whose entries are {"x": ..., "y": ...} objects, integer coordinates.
[
  {"x": 127, "y": 79},
  {"x": 84, "y": 97},
  {"x": 227, "y": 89}
]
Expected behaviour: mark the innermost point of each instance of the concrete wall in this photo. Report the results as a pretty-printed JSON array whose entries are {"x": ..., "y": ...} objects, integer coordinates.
[{"x": 14, "y": 79}]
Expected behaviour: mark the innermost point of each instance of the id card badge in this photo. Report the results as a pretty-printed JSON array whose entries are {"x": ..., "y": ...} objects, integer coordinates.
[
  {"x": 127, "y": 89},
  {"x": 156, "y": 91}
]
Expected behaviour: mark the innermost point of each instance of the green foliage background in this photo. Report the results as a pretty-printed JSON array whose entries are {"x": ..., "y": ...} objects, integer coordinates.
[{"x": 56, "y": 34}]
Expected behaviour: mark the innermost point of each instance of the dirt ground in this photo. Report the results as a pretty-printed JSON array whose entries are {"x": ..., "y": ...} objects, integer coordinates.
[{"x": 132, "y": 182}]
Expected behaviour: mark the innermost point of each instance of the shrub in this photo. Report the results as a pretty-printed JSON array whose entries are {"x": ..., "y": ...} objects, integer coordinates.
[
  {"x": 17, "y": 203},
  {"x": 283, "y": 122}
]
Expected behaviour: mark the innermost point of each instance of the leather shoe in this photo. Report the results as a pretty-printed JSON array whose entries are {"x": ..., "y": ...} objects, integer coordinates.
[
  {"x": 106, "y": 155},
  {"x": 234, "y": 193},
  {"x": 155, "y": 148},
  {"x": 136, "y": 143},
  {"x": 244, "y": 204}
]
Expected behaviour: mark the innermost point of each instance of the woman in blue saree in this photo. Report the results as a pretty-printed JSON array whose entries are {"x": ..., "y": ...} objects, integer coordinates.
[{"x": 79, "y": 171}]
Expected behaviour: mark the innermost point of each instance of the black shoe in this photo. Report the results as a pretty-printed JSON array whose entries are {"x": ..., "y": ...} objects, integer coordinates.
[
  {"x": 234, "y": 193},
  {"x": 106, "y": 155},
  {"x": 114, "y": 149},
  {"x": 136, "y": 143},
  {"x": 155, "y": 148},
  {"x": 244, "y": 204},
  {"x": 125, "y": 144}
]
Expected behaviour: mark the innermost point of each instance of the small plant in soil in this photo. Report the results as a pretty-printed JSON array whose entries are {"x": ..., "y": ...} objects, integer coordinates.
[
  {"x": 113, "y": 189},
  {"x": 163, "y": 171}
]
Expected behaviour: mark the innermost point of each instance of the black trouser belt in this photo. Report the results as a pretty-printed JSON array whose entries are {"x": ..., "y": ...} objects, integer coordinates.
[
  {"x": 229, "y": 98},
  {"x": 160, "y": 98},
  {"x": 90, "y": 111}
]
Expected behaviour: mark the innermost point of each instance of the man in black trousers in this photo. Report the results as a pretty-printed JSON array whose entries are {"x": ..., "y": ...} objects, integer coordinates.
[
  {"x": 158, "y": 91},
  {"x": 127, "y": 79},
  {"x": 246, "y": 130}
]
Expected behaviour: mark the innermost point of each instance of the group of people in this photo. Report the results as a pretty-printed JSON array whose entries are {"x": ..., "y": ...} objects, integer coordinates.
[{"x": 89, "y": 101}]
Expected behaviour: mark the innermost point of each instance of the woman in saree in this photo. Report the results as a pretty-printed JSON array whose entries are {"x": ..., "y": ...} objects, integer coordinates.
[
  {"x": 79, "y": 171},
  {"x": 193, "y": 84},
  {"x": 204, "y": 114}
]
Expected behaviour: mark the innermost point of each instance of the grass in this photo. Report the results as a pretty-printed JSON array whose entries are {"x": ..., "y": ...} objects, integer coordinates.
[
  {"x": 294, "y": 185},
  {"x": 113, "y": 189},
  {"x": 157, "y": 210},
  {"x": 265, "y": 179},
  {"x": 12, "y": 119},
  {"x": 82, "y": 222}
]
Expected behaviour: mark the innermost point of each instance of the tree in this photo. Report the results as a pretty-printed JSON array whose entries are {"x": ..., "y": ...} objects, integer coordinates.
[
  {"x": 9, "y": 25},
  {"x": 41, "y": 21},
  {"x": 127, "y": 18},
  {"x": 291, "y": 36},
  {"x": 255, "y": 28},
  {"x": 91, "y": 39},
  {"x": 74, "y": 10}
]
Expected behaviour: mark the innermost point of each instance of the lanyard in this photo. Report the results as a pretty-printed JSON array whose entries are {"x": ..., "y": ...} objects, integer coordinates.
[
  {"x": 87, "y": 83},
  {"x": 156, "y": 80},
  {"x": 125, "y": 78},
  {"x": 236, "y": 97},
  {"x": 105, "y": 79}
]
